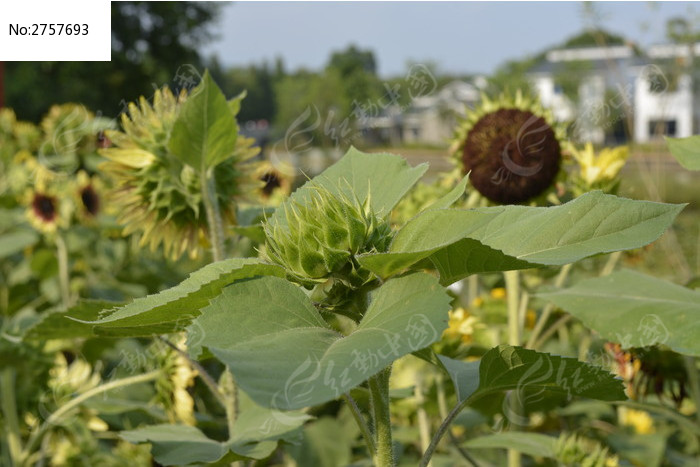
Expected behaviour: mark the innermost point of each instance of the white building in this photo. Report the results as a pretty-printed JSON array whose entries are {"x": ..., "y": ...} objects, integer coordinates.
[
  {"x": 429, "y": 119},
  {"x": 615, "y": 81}
]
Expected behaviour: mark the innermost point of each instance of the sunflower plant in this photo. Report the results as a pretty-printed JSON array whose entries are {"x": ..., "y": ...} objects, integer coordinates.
[{"x": 338, "y": 294}]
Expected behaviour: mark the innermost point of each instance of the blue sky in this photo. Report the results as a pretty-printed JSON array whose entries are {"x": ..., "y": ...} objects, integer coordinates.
[{"x": 464, "y": 37}]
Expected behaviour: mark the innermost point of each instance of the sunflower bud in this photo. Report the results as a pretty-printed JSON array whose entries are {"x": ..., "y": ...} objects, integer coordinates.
[{"x": 320, "y": 237}]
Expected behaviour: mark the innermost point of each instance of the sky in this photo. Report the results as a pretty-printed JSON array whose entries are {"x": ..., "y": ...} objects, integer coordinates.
[{"x": 459, "y": 37}]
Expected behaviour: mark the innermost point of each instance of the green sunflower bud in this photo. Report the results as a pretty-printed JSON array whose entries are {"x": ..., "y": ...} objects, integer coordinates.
[{"x": 321, "y": 235}]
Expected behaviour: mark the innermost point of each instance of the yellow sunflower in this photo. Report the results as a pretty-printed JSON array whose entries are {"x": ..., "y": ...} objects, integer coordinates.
[
  {"x": 46, "y": 210},
  {"x": 159, "y": 196},
  {"x": 513, "y": 148}
]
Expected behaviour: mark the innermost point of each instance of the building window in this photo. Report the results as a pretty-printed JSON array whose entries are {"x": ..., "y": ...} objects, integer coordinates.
[{"x": 662, "y": 127}]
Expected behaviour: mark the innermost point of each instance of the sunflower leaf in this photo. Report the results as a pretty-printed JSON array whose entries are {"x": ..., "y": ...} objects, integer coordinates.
[
  {"x": 205, "y": 132},
  {"x": 464, "y": 242},
  {"x": 174, "y": 308},
  {"x": 284, "y": 355},
  {"x": 255, "y": 436},
  {"x": 686, "y": 151},
  {"x": 383, "y": 178},
  {"x": 535, "y": 379},
  {"x": 635, "y": 310}
]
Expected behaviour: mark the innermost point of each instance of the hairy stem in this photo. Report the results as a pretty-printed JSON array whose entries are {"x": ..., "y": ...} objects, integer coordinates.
[
  {"x": 444, "y": 426},
  {"x": 379, "y": 391},
  {"x": 361, "y": 423},
  {"x": 442, "y": 408}
]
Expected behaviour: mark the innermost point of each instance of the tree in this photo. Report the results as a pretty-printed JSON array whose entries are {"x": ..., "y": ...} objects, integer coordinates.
[
  {"x": 150, "y": 41},
  {"x": 353, "y": 60}
]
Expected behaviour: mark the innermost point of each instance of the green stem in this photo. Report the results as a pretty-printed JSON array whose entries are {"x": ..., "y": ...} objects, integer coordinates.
[
  {"x": 442, "y": 408},
  {"x": 552, "y": 329},
  {"x": 694, "y": 380},
  {"x": 215, "y": 225},
  {"x": 361, "y": 423},
  {"x": 230, "y": 393},
  {"x": 611, "y": 263},
  {"x": 215, "y": 222},
  {"x": 423, "y": 422},
  {"x": 512, "y": 279},
  {"x": 73, "y": 403},
  {"x": 63, "y": 270},
  {"x": 512, "y": 296},
  {"x": 547, "y": 311},
  {"x": 444, "y": 426},
  {"x": 9, "y": 412},
  {"x": 379, "y": 391}
]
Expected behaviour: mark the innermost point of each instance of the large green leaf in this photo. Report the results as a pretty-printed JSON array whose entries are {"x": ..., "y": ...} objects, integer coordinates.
[
  {"x": 464, "y": 242},
  {"x": 534, "y": 379},
  {"x": 283, "y": 353},
  {"x": 14, "y": 242},
  {"x": 686, "y": 151},
  {"x": 205, "y": 131},
  {"x": 255, "y": 436},
  {"x": 635, "y": 310},
  {"x": 532, "y": 444},
  {"x": 385, "y": 178},
  {"x": 65, "y": 324},
  {"x": 175, "y": 308}
]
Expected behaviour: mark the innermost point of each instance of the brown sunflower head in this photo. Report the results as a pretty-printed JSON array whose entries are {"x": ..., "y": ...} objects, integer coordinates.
[
  {"x": 45, "y": 208},
  {"x": 511, "y": 148},
  {"x": 90, "y": 200}
]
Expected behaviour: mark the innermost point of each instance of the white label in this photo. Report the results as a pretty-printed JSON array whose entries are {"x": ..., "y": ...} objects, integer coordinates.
[{"x": 66, "y": 30}]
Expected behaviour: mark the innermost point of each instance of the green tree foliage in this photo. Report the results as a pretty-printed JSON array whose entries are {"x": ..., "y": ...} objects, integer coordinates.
[{"x": 150, "y": 40}]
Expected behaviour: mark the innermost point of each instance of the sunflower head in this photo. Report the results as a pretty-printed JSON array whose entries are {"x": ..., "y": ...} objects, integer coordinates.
[
  {"x": 512, "y": 147},
  {"x": 598, "y": 171},
  {"x": 276, "y": 182},
  {"x": 69, "y": 136},
  {"x": 88, "y": 199},
  {"x": 320, "y": 237},
  {"x": 157, "y": 194},
  {"x": 47, "y": 211},
  {"x": 16, "y": 136}
]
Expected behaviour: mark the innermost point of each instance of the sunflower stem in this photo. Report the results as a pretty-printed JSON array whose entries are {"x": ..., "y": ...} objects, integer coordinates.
[
  {"x": 9, "y": 414},
  {"x": 512, "y": 279},
  {"x": 215, "y": 223},
  {"x": 379, "y": 391},
  {"x": 361, "y": 423},
  {"x": 63, "y": 270}
]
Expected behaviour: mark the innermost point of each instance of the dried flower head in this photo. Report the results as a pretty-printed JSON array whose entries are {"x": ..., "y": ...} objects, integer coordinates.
[{"x": 512, "y": 147}]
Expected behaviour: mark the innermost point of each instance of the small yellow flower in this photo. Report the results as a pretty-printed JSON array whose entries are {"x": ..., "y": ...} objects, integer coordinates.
[
  {"x": 530, "y": 319},
  {"x": 594, "y": 170},
  {"x": 639, "y": 420},
  {"x": 461, "y": 324},
  {"x": 498, "y": 293},
  {"x": 477, "y": 302}
]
